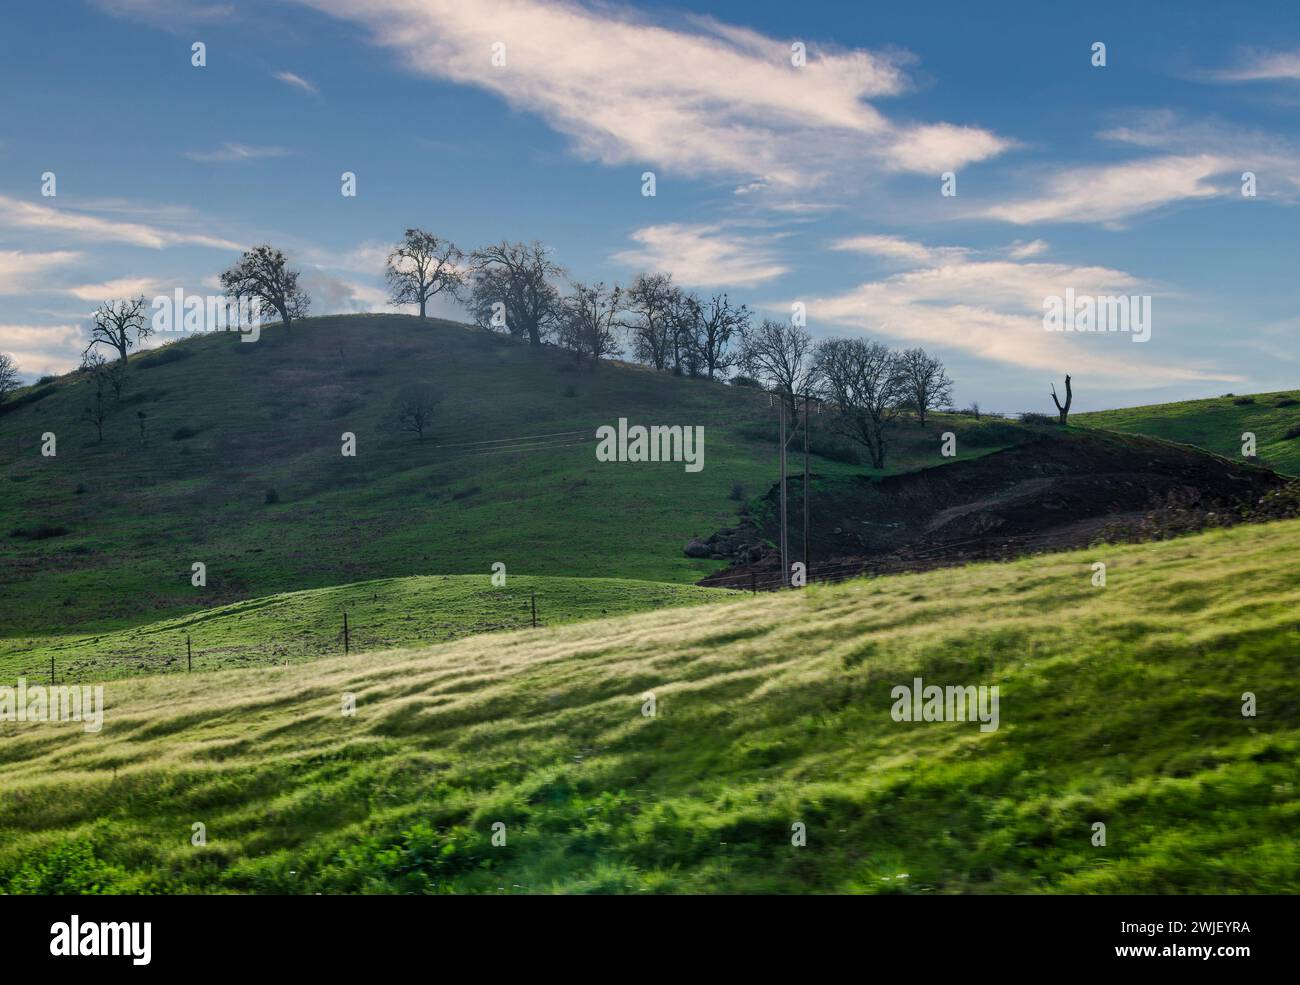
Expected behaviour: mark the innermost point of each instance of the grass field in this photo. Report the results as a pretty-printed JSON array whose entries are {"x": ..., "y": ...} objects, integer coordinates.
[
  {"x": 297, "y": 626},
  {"x": 103, "y": 535},
  {"x": 1119, "y": 705},
  {"x": 1217, "y": 425}
]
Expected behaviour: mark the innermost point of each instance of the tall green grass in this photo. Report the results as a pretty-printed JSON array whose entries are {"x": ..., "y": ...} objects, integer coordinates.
[{"x": 1120, "y": 705}]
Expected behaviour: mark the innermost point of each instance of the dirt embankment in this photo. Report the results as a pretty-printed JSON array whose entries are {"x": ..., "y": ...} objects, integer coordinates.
[{"x": 1056, "y": 491}]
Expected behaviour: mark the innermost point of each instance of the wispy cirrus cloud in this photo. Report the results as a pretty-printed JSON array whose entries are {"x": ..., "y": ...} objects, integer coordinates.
[
  {"x": 83, "y": 225},
  {"x": 993, "y": 309},
  {"x": 699, "y": 98},
  {"x": 1192, "y": 159},
  {"x": 1255, "y": 65},
  {"x": 228, "y": 152},
  {"x": 898, "y": 249},
  {"x": 122, "y": 287},
  {"x": 1110, "y": 193},
  {"x": 703, "y": 255},
  {"x": 21, "y": 272},
  {"x": 297, "y": 82}
]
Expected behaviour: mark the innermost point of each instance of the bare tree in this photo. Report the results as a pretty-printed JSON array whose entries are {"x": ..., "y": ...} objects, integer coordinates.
[
  {"x": 590, "y": 317},
  {"x": 928, "y": 385},
  {"x": 654, "y": 303},
  {"x": 262, "y": 278},
  {"x": 96, "y": 369},
  {"x": 779, "y": 354},
  {"x": 413, "y": 410},
  {"x": 421, "y": 267},
  {"x": 8, "y": 376},
  {"x": 866, "y": 383},
  {"x": 513, "y": 289},
  {"x": 1069, "y": 398},
  {"x": 688, "y": 352},
  {"x": 683, "y": 332},
  {"x": 115, "y": 377},
  {"x": 720, "y": 322},
  {"x": 114, "y": 322}
]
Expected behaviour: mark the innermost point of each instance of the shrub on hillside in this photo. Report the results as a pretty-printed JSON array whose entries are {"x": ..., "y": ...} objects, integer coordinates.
[
  {"x": 1243, "y": 401},
  {"x": 162, "y": 356},
  {"x": 1292, "y": 432},
  {"x": 344, "y": 407},
  {"x": 181, "y": 433},
  {"x": 30, "y": 397},
  {"x": 745, "y": 381},
  {"x": 42, "y": 532},
  {"x": 1287, "y": 402},
  {"x": 271, "y": 496},
  {"x": 1033, "y": 417},
  {"x": 832, "y": 446}
]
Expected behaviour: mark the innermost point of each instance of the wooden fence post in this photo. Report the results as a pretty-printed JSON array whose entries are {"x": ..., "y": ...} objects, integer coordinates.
[
  {"x": 347, "y": 645},
  {"x": 189, "y": 654},
  {"x": 534, "y": 610}
]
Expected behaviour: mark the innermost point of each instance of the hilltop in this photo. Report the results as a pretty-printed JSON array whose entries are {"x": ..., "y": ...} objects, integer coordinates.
[{"x": 1119, "y": 705}]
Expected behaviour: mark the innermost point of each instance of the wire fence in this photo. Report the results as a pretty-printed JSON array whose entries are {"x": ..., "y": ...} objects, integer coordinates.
[{"x": 187, "y": 651}]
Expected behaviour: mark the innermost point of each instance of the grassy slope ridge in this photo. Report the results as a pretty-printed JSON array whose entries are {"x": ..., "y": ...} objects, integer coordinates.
[
  {"x": 1216, "y": 425},
  {"x": 296, "y": 626},
  {"x": 1119, "y": 704},
  {"x": 269, "y": 415}
]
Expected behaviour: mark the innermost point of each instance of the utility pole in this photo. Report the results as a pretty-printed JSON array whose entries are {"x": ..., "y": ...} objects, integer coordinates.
[
  {"x": 805, "y": 485},
  {"x": 785, "y": 562}
]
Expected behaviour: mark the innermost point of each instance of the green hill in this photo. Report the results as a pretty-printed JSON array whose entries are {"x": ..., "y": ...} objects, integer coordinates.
[
  {"x": 1120, "y": 705},
  {"x": 1217, "y": 425},
  {"x": 239, "y": 467}
]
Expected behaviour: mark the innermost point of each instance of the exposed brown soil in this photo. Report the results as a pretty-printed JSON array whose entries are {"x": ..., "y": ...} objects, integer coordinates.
[{"x": 1056, "y": 491}]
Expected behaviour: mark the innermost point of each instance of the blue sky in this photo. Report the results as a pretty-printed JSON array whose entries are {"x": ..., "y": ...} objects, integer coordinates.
[{"x": 817, "y": 183}]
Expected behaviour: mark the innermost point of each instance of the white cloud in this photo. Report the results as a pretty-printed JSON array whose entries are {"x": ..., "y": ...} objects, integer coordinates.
[
  {"x": 233, "y": 152},
  {"x": 703, "y": 255},
  {"x": 898, "y": 249},
  {"x": 21, "y": 272},
  {"x": 1109, "y": 193},
  {"x": 83, "y": 225},
  {"x": 42, "y": 349},
  {"x": 298, "y": 82},
  {"x": 332, "y": 295},
  {"x": 122, "y": 287},
  {"x": 993, "y": 309},
  {"x": 1262, "y": 66},
  {"x": 1023, "y": 251},
  {"x": 708, "y": 99}
]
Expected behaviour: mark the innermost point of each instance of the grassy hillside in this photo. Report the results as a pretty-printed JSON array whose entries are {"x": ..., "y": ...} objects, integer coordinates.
[
  {"x": 1119, "y": 704},
  {"x": 103, "y": 535},
  {"x": 297, "y": 626},
  {"x": 1217, "y": 425}
]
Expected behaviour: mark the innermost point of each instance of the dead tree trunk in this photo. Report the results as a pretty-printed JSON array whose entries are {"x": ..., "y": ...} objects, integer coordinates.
[{"x": 1069, "y": 397}]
